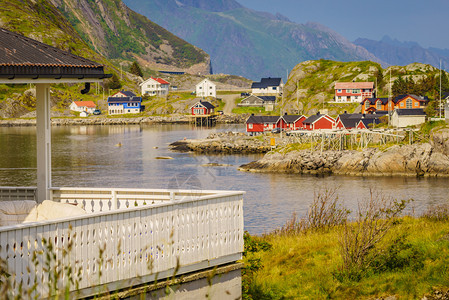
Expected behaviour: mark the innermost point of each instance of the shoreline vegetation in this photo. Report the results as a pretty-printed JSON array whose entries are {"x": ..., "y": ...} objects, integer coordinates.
[{"x": 376, "y": 252}]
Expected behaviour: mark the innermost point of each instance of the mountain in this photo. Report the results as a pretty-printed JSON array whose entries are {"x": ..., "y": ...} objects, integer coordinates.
[
  {"x": 41, "y": 21},
  {"x": 117, "y": 32},
  {"x": 101, "y": 30},
  {"x": 245, "y": 42},
  {"x": 395, "y": 52}
]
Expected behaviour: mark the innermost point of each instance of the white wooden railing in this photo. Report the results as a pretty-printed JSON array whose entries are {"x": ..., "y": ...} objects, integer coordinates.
[{"x": 168, "y": 230}]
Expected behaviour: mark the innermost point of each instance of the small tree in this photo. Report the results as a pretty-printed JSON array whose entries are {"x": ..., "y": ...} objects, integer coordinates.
[
  {"x": 135, "y": 69},
  {"x": 113, "y": 82}
]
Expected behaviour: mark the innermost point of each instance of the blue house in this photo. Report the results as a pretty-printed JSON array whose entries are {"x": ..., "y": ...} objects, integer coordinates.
[{"x": 124, "y": 102}]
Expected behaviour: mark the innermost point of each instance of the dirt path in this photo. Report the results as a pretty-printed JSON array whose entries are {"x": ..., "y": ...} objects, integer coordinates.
[{"x": 229, "y": 101}]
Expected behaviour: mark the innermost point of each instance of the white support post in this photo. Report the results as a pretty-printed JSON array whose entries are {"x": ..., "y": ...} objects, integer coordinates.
[{"x": 43, "y": 131}]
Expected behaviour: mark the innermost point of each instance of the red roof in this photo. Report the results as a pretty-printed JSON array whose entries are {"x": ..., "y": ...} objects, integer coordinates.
[
  {"x": 160, "y": 80},
  {"x": 85, "y": 104},
  {"x": 354, "y": 85}
]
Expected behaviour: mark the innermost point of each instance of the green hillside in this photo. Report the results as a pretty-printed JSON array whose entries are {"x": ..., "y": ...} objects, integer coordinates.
[
  {"x": 310, "y": 85},
  {"x": 117, "y": 32}
]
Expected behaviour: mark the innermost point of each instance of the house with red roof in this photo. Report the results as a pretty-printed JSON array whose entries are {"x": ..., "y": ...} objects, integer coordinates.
[
  {"x": 353, "y": 91},
  {"x": 155, "y": 87},
  {"x": 318, "y": 121},
  {"x": 80, "y": 106}
]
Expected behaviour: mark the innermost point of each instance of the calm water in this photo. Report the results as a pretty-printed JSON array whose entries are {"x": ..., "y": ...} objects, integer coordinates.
[{"x": 89, "y": 156}]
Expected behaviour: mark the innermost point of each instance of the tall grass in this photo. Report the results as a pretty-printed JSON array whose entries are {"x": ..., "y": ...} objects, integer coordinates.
[{"x": 396, "y": 256}]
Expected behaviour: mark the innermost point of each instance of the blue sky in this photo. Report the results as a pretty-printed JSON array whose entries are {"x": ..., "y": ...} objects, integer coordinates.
[{"x": 425, "y": 22}]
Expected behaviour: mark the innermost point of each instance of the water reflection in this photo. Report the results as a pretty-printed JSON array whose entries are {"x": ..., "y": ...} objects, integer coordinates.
[{"x": 124, "y": 156}]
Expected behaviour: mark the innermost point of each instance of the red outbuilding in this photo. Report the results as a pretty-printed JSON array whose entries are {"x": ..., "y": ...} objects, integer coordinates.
[
  {"x": 259, "y": 124},
  {"x": 318, "y": 121},
  {"x": 202, "y": 108},
  {"x": 291, "y": 122}
]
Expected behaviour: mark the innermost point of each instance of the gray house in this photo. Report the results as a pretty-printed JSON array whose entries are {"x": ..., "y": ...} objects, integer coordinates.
[
  {"x": 268, "y": 102},
  {"x": 408, "y": 117}
]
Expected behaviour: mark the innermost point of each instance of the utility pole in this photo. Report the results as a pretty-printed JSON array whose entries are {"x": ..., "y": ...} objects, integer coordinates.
[
  {"x": 440, "y": 89},
  {"x": 389, "y": 103}
]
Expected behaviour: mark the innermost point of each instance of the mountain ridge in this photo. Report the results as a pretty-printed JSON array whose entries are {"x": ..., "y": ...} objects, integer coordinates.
[
  {"x": 246, "y": 42},
  {"x": 403, "y": 53}
]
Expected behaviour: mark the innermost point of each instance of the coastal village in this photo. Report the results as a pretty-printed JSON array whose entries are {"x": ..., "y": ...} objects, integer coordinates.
[{"x": 124, "y": 179}]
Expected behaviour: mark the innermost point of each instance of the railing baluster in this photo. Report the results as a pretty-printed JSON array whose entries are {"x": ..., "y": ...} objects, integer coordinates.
[{"x": 193, "y": 230}]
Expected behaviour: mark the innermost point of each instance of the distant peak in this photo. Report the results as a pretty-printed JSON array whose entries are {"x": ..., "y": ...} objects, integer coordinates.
[
  {"x": 395, "y": 42},
  {"x": 210, "y": 5}
]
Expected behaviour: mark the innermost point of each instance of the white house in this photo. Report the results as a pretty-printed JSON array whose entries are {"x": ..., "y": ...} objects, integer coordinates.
[
  {"x": 206, "y": 88},
  {"x": 408, "y": 117},
  {"x": 155, "y": 86},
  {"x": 80, "y": 106},
  {"x": 268, "y": 86}
]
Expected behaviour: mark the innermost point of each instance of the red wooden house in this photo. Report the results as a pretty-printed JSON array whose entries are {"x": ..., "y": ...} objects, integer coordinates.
[
  {"x": 350, "y": 121},
  {"x": 259, "y": 124},
  {"x": 291, "y": 122},
  {"x": 318, "y": 121},
  {"x": 202, "y": 108}
]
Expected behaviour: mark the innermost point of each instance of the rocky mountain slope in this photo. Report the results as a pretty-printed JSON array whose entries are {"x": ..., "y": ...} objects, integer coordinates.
[
  {"x": 245, "y": 42},
  {"x": 117, "y": 32},
  {"x": 399, "y": 53}
]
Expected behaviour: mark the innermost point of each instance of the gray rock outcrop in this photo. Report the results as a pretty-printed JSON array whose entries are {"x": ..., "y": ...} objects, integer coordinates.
[{"x": 405, "y": 160}]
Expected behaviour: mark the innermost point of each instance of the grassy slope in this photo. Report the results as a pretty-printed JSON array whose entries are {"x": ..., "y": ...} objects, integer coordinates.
[{"x": 302, "y": 266}]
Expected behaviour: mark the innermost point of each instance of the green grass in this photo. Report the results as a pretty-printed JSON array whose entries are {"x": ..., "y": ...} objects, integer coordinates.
[
  {"x": 302, "y": 266},
  {"x": 254, "y": 110}
]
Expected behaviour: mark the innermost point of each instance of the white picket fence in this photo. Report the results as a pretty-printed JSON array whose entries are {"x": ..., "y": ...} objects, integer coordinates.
[{"x": 143, "y": 235}]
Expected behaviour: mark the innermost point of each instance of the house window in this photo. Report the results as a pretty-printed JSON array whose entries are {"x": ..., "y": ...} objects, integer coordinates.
[
  {"x": 379, "y": 105},
  {"x": 355, "y": 91},
  {"x": 200, "y": 87},
  {"x": 339, "y": 97},
  {"x": 408, "y": 103},
  {"x": 366, "y": 105},
  {"x": 348, "y": 91},
  {"x": 402, "y": 104},
  {"x": 250, "y": 126},
  {"x": 339, "y": 90}
]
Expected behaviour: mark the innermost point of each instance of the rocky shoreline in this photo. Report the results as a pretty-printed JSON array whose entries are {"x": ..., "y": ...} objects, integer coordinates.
[
  {"x": 425, "y": 159},
  {"x": 102, "y": 120},
  {"x": 225, "y": 142},
  {"x": 405, "y": 160}
]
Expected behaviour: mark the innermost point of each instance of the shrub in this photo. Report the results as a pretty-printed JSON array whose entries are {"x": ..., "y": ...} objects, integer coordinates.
[
  {"x": 398, "y": 255},
  {"x": 437, "y": 212},
  {"x": 359, "y": 244},
  {"x": 324, "y": 212}
]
